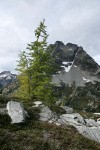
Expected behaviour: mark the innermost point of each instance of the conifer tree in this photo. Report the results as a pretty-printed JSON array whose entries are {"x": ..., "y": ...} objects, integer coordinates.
[
  {"x": 39, "y": 67},
  {"x": 23, "y": 77}
]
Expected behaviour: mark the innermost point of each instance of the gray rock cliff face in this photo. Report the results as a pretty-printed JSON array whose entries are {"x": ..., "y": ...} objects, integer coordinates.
[{"x": 76, "y": 65}]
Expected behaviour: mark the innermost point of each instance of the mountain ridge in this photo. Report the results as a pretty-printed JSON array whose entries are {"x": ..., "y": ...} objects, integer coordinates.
[{"x": 76, "y": 65}]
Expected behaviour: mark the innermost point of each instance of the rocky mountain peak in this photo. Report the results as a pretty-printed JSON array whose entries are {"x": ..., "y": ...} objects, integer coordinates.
[
  {"x": 5, "y": 73},
  {"x": 6, "y": 78},
  {"x": 76, "y": 65},
  {"x": 59, "y": 43},
  {"x": 85, "y": 62}
]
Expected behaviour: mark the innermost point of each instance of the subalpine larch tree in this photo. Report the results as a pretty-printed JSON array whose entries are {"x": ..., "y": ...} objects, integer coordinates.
[
  {"x": 40, "y": 67},
  {"x": 24, "y": 90}
]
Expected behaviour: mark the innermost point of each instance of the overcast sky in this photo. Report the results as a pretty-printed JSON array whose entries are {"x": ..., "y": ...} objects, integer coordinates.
[{"x": 75, "y": 21}]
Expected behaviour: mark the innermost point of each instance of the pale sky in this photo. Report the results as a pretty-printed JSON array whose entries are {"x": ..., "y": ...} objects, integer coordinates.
[{"x": 74, "y": 21}]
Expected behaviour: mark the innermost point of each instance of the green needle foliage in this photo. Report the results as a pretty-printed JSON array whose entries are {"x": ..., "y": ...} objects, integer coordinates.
[
  {"x": 36, "y": 69},
  {"x": 24, "y": 76}
]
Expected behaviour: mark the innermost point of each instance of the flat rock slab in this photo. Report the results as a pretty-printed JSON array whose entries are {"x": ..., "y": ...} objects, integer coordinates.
[
  {"x": 47, "y": 115},
  {"x": 68, "y": 110},
  {"x": 16, "y": 111},
  {"x": 92, "y": 133},
  {"x": 72, "y": 119}
]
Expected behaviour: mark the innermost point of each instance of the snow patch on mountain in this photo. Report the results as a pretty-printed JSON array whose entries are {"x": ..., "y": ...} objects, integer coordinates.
[
  {"x": 65, "y": 63},
  {"x": 8, "y": 78},
  {"x": 67, "y": 66},
  {"x": 75, "y": 66},
  {"x": 5, "y": 74},
  {"x": 87, "y": 80}
]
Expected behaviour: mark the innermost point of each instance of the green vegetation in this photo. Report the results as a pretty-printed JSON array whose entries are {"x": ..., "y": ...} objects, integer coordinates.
[
  {"x": 86, "y": 98},
  {"x": 23, "y": 78},
  {"x": 36, "y": 135},
  {"x": 36, "y": 68}
]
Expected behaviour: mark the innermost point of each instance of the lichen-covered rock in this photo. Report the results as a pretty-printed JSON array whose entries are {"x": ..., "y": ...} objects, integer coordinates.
[
  {"x": 16, "y": 111},
  {"x": 72, "y": 119},
  {"x": 87, "y": 127},
  {"x": 92, "y": 133},
  {"x": 68, "y": 110},
  {"x": 91, "y": 123},
  {"x": 47, "y": 115}
]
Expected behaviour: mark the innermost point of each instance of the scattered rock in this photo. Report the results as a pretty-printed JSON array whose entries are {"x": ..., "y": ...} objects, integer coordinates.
[
  {"x": 72, "y": 119},
  {"x": 91, "y": 123},
  {"x": 37, "y": 104},
  {"x": 47, "y": 115},
  {"x": 58, "y": 102},
  {"x": 16, "y": 111},
  {"x": 68, "y": 110},
  {"x": 98, "y": 120},
  {"x": 92, "y": 133},
  {"x": 97, "y": 114},
  {"x": 87, "y": 127}
]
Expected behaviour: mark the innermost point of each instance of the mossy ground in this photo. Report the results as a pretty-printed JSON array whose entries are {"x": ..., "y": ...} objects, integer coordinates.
[{"x": 36, "y": 135}]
